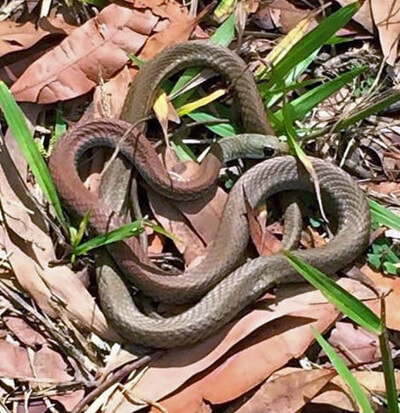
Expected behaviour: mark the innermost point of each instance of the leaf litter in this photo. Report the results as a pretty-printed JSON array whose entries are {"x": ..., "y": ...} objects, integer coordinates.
[{"x": 248, "y": 354}]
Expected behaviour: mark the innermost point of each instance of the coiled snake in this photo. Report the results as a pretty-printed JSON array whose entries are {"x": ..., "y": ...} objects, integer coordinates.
[{"x": 221, "y": 283}]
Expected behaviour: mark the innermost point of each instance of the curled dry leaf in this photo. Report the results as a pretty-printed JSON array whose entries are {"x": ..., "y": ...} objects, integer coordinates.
[
  {"x": 15, "y": 37},
  {"x": 30, "y": 248},
  {"x": 273, "y": 335},
  {"x": 94, "y": 51},
  {"x": 287, "y": 390}
]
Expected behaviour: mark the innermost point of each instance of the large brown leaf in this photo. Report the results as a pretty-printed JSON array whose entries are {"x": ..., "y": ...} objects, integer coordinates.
[{"x": 94, "y": 51}]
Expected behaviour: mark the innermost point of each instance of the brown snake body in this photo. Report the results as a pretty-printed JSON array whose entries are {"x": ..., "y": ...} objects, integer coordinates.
[{"x": 222, "y": 287}]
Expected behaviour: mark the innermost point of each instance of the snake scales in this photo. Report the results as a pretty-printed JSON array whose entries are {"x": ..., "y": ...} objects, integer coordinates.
[{"x": 222, "y": 286}]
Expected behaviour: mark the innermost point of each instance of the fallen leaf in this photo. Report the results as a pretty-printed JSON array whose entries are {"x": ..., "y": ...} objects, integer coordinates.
[
  {"x": 94, "y": 51},
  {"x": 390, "y": 287},
  {"x": 285, "y": 334},
  {"x": 10, "y": 72},
  {"x": 14, "y": 361},
  {"x": 109, "y": 97},
  {"x": 24, "y": 332},
  {"x": 264, "y": 240},
  {"x": 287, "y": 390},
  {"x": 363, "y": 16},
  {"x": 371, "y": 381},
  {"x": 15, "y": 37},
  {"x": 279, "y": 14},
  {"x": 354, "y": 344},
  {"x": 50, "y": 365},
  {"x": 386, "y": 16}
]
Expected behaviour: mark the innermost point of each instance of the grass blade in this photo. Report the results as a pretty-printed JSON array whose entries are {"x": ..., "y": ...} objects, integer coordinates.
[
  {"x": 312, "y": 41},
  {"x": 17, "y": 124},
  {"x": 345, "y": 374},
  {"x": 133, "y": 229},
  {"x": 344, "y": 301},
  {"x": 387, "y": 364},
  {"x": 125, "y": 231},
  {"x": 383, "y": 216},
  {"x": 221, "y": 129},
  {"x": 305, "y": 103}
]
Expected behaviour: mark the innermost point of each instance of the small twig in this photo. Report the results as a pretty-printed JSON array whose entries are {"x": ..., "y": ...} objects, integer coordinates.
[{"x": 117, "y": 377}]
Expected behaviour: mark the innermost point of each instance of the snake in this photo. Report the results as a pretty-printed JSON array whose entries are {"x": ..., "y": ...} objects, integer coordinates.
[{"x": 221, "y": 285}]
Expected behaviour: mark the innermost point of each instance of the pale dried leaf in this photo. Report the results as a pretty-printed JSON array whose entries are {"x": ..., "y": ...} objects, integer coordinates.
[{"x": 386, "y": 17}]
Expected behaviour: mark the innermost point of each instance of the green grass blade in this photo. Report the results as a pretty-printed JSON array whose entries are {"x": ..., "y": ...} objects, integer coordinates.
[
  {"x": 125, "y": 231},
  {"x": 133, "y": 229},
  {"x": 344, "y": 301},
  {"x": 387, "y": 365},
  {"x": 312, "y": 41},
  {"x": 221, "y": 129},
  {"x": 226, "y": 32},
  {"x": 17, "y": 124},
  {"x": 383, "y": 216},
  {"x": 345, "y": 374},
  {"x": 383, "y": 102},
  {"x": 305, "y": 103}
]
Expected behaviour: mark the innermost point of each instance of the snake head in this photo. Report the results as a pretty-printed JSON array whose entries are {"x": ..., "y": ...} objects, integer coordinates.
[{"x": 264, "y": 146}]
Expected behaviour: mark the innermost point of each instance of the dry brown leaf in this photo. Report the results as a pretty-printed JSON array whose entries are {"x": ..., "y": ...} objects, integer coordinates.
[
  {"x": 195, "y": 223},
  {"x": 264, "y": 240},
  {"x": 14, "y": 361},
  {"x": 177, "y": 32},
  {"x": 31, "y": 250},
  {"x": 109, "y": 97},
  {"x": 279, "y": 14},
  {"x": 287, "y": 335},
  {"x": 390, "y": 286},
  {"x": 12, "y": 71},
  {"x": 386, "y": 15},
  {"x": 354, "y": 344},
  {"x": 287, "y": 390},
  {"x": 190, "y": 244},
  {"x": 15, "y": 36},
  {"x": 363, "y": 16},
  {"x": 385, "y": 188},
  {"x": 94, "y": 51},
  {"x": 334, "y": 396},
  {"x": 23, "y": 331},
  {"x": 339, "y": 394}
]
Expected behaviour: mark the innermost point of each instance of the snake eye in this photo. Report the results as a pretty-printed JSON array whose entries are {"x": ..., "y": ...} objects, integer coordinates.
[{"x": 268, "y": 151}]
